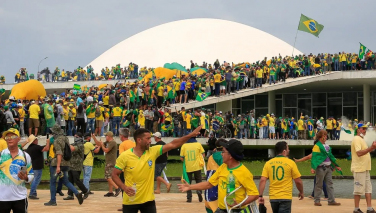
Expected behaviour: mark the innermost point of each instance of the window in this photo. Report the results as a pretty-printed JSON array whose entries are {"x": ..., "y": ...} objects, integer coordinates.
[
  {"x": 319, "y": 112},
  {"x": 290, "y": 112},
  {"x": 304, "y": 106},
  {"x": 261, "y": 101},
  {"x": 350, "y": 113},
  {"x": 260, "y": 112},
  {"x": 247, "y": 105},
  {"x": 335, "y": 107},
  {"x": 290, "y": 100},
  {"x": 360, "y": 109},
  {"x": 278, "y": 106},
  {"x": 306, "y": 95},
  {"x": 279, "y": 96},
  {"x": 349, "y": 99},
  {"x": 334, "y": 95},
  {"x": 319, "y": 99},
  {"x": 236, "y": 103}
]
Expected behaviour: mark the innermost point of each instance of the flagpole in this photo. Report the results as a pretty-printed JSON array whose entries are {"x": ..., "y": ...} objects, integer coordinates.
[{"x": 296, "y": 36}]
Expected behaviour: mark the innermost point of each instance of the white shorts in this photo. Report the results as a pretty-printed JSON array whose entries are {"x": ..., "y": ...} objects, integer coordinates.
[
  {"x": 272, "y": 129},
  {"x": 222, "y": 87},
  {"x": 362, "y": 183}
]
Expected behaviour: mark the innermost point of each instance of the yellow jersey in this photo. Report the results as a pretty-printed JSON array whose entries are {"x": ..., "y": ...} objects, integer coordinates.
[
  {"x": 65, "y": 111},
  {"x": 3, "y": 144},
  {"x": 217, "y": 78},
  {"x": 188, "y": 118},
  {"x": 167, "y": 117},
  {"x": 192, "y": 154},
  {"x": 271, "y": 122},
  {"x": 160, "y": 91},
  {"x": 125, "y": 145},
  {"x": 243, "y": 177},
  {"x": 300, "y": 124},
  {"x": 117, "y": 111},
  {"x": 22, "y": 114},
  {"x": 139, "y": 171},
  {"x": 100, "y": 117},
  {"x": 329, "y": 124},
  {"x": 34, "y": 111},
  {"x": 88, "y": 148},
  {"x": 106, "y": 100},
  {"x": 280, "y": 171},
  {"x": 91, "y": 113}
]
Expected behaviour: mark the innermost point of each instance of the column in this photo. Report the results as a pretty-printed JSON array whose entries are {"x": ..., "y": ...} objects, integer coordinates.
[
  {"x": 366, "y": 103},
  {"x": 224, "y": 106},
  {"x": 271, "y": 102}
]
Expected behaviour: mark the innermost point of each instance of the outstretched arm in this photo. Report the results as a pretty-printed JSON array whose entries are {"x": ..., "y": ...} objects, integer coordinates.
[
  {"x": 180, "y": 141},
  {"x": 304, "y": 158}
]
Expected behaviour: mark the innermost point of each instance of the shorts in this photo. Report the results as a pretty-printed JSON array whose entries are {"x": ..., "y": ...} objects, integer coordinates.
[
  {"x": 34, "y": 123},
  {"x": 108, "y": 171},
  {"x": 159, "y": 169},
  {"x": 362, "y": 183},
  {"x": 182, "y": 92},
  {"x": 98, "y": 124},
  {"x": 222, "y": 87},
  {"x": 272, "y": 129}
]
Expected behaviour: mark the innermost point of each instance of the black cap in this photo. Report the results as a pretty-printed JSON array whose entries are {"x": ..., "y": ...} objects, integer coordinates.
[
  {"x": 235, "y": 148},
  {"x": 87, "y": 135}
]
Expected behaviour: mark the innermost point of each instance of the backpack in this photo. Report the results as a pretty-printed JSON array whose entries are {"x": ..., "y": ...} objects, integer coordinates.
[
  {"x": 41, "y": 115},
  {"x": 67, "y": 151},
  {"x": 180, "y": 117}
]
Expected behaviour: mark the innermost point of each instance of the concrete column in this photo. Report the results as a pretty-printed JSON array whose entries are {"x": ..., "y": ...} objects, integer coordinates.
[
  {"x": 366, "y": 103},
  {"x": 271, "y": 102},
  {"x": 224, "y": 106}
]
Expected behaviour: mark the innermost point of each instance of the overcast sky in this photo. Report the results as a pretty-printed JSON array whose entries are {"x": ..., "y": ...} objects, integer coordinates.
[{"x": 72, "y": 33}]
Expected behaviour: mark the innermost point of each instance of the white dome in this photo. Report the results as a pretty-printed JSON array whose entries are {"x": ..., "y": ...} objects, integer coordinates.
[{"x": 194, "y": 39}]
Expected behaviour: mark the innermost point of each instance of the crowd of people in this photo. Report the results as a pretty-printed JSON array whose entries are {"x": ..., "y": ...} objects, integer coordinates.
[{"x": 280, "y": 68}]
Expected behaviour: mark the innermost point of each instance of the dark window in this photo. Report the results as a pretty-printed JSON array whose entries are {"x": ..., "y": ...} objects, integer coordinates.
[
  {"x": 349, "y": 99},
  {"x": 279, "y": 96},
  {"x": 350, "y": 113},
  {"x": 247, "y": 105},
  {"x": 290, "y": 100},
  {"x": 334, "y": 95},
  {"x": 319, "y": 99},
  {"x": 278, "y": 106},
  {"x": 319, "y": 112},
  {"x": 291, "y": 112},
  {"x": 335, "y": 107},
  {"x": 260, "y": 112},
  {"x": 261, "y": 101},
  {"x": 360, "y": 109},
  {"x": 304, "y": 106},
  {"x": 306, "y": 95}
]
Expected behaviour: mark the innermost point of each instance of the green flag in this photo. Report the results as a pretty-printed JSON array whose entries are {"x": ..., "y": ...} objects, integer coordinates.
[
  {"x": 362, "y": 51},
  {"x": 76, "y": 87},
  {"x": 346, "y": 130},
  {"x": 185, "y": 175},
  {"x": 309, "y": 25}
]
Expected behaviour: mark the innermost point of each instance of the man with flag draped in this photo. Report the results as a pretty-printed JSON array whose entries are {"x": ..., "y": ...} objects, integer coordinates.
[
  {"x": 323, "y": 163},
  {"x": 311, "y": 128}
]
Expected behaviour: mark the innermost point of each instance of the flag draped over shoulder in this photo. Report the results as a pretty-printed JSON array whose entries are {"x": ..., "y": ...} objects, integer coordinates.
[
  {"x": 211, "y": 195},
  {"x": 132, "y": 96},
  {"x": 202, "y": 95},
  {"x": 195, "y": 121},
  {"x": 319, "y": 155},
  {"x": 311, "y": 129},
  {"x": 362, "y": 51},
  {"x": 185, "y": 175},
  {"x": 309, "y": 25}
]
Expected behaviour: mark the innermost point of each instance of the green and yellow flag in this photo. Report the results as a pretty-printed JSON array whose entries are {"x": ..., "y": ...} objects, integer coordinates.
[
  {"x": 309, "y": 25},
  {"x": 362, "y": 51},
  {"x": 76, "y": 87}
]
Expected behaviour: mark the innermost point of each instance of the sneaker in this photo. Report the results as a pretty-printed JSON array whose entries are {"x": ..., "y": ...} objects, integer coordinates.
[
  {"x": 80, "y": 198},
  {"x": 200, "y": 198},
  {"x": 50, "y": 203},
  {"x": 358, "y": 211},
  {"x": 91, "y": 193},
  {"x": 117, "y": 192},
  {"x": 189, "y": 200},
  {"x": 70, "y": 197},
  {"x": 86, "y": 195},
  {"x": 369, "y": 211},
  {"x": 109, "y": 194},
  {"x": 317, "y": 204},
  {"x": 334, "y": 204},
  {"x": 60, "y": 193},
  {"x": 33, "y": 197}
]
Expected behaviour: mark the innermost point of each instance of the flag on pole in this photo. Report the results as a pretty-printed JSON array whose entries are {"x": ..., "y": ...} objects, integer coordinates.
[
  {"x": 346, "y": 130},
  {"x": 185, "y": 175},
  {"x": 362, "y": 51},
  {"x": 309, "y": 25}
]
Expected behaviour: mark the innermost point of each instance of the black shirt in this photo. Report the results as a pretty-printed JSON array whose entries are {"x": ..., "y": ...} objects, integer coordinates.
[
  {"x": 163, "y": 157},
  {"x": 211, "y": 143},
  {"x": 36, "y": 155}
]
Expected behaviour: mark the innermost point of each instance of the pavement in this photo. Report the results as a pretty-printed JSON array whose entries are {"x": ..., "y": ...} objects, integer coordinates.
[{"x": 168, "y": 203}]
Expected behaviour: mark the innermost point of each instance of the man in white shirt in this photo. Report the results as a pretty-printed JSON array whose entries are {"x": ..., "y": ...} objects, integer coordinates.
[{"x": 319, "y": 124}]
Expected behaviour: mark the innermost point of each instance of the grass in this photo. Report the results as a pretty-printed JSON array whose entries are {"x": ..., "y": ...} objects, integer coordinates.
[{"x": 174, "y": 168}]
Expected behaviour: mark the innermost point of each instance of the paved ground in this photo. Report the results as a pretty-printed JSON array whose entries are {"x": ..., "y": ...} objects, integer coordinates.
[{"x": 167, "y": 203}]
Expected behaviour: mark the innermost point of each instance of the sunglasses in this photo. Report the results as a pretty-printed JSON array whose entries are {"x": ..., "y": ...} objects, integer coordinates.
[{"x": 10, "y": 137}]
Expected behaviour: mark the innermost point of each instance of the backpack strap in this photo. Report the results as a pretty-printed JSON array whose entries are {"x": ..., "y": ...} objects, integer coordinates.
[{"x": 24, "y": 157}]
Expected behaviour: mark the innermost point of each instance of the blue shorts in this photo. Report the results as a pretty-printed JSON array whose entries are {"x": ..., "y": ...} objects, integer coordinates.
[{"x": 159, "y": 169}]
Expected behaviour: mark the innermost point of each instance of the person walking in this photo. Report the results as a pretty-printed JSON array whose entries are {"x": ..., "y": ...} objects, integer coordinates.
[
  {"x": 232, "y": 154},
  {"x": 110, "y": 148},
  {"x": 322, "y": 159},
  {"x": 281, "y": 172},
  {"x": 36, "y": 153},
  {"x": 361, "y": 167},
  {"x": 160, "y": 164},
  {"x": 89, "y": 150},
  {"x": 138, "y": 165},
  {"x": 13, "y": 190},
  {"x": 193, "y": 154},
  {"x": 59, "y": 166},
  {"x": 75, "y": 169}
]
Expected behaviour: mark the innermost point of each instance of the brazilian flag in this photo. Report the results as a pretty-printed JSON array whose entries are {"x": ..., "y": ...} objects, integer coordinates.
[
  {"x": 195, "y": 121},
  {"x": 311, "y": 131},
  {"x": 362, "y": 51},
  {"x": 309, "y": 25},
  {"x": 76, "y": 87},
  {"x": 201, "y": 95}
]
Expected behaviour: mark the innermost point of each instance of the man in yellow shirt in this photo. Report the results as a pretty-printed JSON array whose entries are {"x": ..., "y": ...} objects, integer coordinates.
[
  {"x": 281, "y": 171},
  {"x": 21, "y": 113},
  {"x": 138, "y": 165},
  {"x": 232, "y": 154},
  {"x": 329, "y": 127},
  {"x": 193, "y": 154},
  {"x": 89, "y": 150},
  {"x": 259, "y": 76},
  {"x": 99, "y": 118},
  {"x": 271, "y": 127},
  {"x": 188, "y": 118},
  {"x": 217, "y": 82},
  {"x": 34, "y": 111},
  {"x": 301, "y": 128},
  {"x": 361, "y": 167}
]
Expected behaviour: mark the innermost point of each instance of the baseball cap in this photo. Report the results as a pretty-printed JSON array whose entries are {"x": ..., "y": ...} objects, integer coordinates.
[
  {"x": 100, "y": 102},
  {"x": 109, "y": 133},
  {"x": 235, "y": 148},
  {"x": 220, "y": 112},
  {"x": 362, "y": 126},
  {"x": 20, "y": 105},
  {"x": 13, "y": 131},
  {"x": 157, "y": 135}
]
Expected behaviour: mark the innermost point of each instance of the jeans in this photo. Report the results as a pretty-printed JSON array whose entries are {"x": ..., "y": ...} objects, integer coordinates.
[
  {"x": 228, "y": 87},
  {"x": 71, "y": 128},
  {"x": 36, "y": 181},
  {"x": 307, "y": 71},
  {"x": 258, "y": 82},
  {"x": 271, "y": 78},
  {"x": 336, "y": 65},
  {"x": 53, "y": 178},
  {"x": 176, "y": 131},
  {"x": 217, "y": 88},
  {"x": 252, "y": 83},
  {"x": 265, "y": 132},
  {"x": 87, "y": 176},
  {"x": 343, "y": 65},
  {"x": 252, "y": 132},
  {"x": 116, "y": 124},
  {"x": 22, "y": 128},
  {"x": 90, "y": 125},
  {"x": 183, "y": 129},
  {"x": 281, "y": 206}
]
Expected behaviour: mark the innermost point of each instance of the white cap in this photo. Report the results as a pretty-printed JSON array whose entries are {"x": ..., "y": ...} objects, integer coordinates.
[
  {"x": 100, "y": 102},
  {"x": 157, "y": 134},
  {"x": 272, "y": 114},
  {"x": 20, "y": 105},
  {"x": 11, "y": 98},
  {"x": 33, "y": 102},
  {"x": 220, "y": 112}
]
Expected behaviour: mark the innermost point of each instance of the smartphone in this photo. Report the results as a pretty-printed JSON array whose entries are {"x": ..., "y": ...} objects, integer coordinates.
[{"x": 23, "y": 169}]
